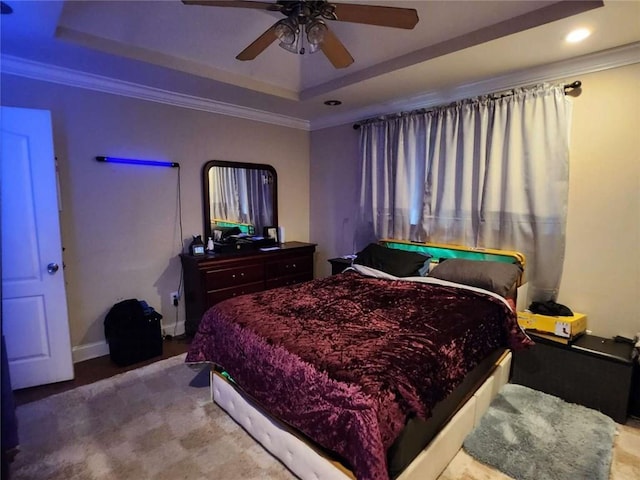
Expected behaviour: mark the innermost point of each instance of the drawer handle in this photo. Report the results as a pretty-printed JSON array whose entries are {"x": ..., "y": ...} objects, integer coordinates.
[{"x": 234, "y": 275}]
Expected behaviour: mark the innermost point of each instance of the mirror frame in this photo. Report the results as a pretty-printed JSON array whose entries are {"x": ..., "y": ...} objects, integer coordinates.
[{"x": 206, "y": 208}]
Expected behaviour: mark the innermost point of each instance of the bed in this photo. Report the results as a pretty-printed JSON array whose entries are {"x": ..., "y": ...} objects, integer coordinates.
[{"x": 354, "y": 375}]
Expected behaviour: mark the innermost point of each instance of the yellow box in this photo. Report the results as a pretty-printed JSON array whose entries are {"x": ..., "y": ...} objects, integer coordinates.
[{"x": 566, "y": 327}]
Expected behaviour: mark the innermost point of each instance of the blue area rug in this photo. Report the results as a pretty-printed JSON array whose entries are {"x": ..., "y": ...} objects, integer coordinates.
[{"x": 530, "y": 435}]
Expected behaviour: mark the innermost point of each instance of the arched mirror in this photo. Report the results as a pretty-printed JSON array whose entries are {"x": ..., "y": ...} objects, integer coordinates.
[{"x": 242, "y": 195}]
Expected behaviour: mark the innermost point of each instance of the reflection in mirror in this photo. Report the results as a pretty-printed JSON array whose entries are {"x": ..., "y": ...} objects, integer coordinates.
[{"x": 242, "y": 195}]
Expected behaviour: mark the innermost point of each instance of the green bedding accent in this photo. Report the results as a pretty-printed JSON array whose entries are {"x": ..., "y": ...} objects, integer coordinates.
[
  {"x": 226, "y": 375},
  {"x": 439, "y": 253}
]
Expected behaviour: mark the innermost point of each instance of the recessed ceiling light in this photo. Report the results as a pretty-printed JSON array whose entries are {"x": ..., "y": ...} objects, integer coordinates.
[
  {"x": 333, "y": 103},
  {"x": 578, "y": 35}
]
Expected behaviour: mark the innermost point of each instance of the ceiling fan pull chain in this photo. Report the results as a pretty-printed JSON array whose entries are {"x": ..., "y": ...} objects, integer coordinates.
[{"x": 300, "y": 40}]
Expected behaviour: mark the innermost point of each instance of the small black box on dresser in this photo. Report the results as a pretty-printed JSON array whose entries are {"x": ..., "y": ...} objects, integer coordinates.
[{"x": 592, "y": 371}]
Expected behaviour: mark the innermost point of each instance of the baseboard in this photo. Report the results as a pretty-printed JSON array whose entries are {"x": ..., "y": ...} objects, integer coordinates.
[
  {"x": 168, "y": 329},
  {"x": 87, "y": 351}
]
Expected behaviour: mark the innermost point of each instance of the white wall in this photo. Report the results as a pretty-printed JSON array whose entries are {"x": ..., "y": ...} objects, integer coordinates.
[
  {"x": 602, "y": 267},
  {"x": 334, "y": 193},
  {"x": 120, "y": 223},
  {"x": 602, "y": 264}
]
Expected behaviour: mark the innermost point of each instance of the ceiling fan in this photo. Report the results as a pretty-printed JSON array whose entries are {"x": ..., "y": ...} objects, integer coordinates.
[{"x": 304, "y": 29}]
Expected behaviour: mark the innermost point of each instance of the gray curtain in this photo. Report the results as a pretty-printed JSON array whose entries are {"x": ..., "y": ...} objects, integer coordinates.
[
  {"x": 487, "y": 172},
  {"x": 224, "y": 203},
  {"x": 259, "y": 199}
]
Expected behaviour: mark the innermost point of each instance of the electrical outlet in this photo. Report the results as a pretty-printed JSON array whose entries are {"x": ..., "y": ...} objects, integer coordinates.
[{"x": 175, "y": 296}]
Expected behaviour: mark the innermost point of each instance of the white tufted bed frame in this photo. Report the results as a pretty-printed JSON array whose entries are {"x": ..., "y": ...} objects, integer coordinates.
[{"x": 308, "y": 463}]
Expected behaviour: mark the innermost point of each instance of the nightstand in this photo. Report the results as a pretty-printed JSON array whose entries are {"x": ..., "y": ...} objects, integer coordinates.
[
  {"x": 339, "y": 264},
  {"x": 592, "y": 371}
]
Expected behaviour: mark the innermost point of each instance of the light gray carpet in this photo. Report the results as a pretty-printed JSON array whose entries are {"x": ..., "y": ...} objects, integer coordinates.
[
  {"x": 156, "y": 422},
  {"x": 530, "y": 435}
]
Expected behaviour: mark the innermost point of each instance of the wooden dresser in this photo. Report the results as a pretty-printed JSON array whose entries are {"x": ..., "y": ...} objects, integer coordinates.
[{"x": 212, "y": 278}]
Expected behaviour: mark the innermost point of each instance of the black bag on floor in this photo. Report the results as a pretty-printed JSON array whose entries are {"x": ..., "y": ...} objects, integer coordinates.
[{"x": 133, "y": 331}]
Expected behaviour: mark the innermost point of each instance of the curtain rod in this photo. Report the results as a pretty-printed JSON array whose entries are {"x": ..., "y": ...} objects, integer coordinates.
[{"x": 357, "y": 125}]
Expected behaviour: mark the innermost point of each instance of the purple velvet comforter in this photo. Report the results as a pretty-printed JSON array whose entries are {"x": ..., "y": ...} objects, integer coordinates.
[{"x": 348, "y": 359}]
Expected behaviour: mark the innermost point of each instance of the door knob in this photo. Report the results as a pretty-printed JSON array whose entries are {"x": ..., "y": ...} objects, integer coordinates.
[{"x": 52, "y": 268}]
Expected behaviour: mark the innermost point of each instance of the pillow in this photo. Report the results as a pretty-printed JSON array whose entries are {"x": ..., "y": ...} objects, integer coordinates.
[
  {"x": 400, "y": 263},
  {"x": 497, "y": 277}
]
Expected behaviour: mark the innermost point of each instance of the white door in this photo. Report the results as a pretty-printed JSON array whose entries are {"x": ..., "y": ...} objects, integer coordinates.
[{"x": 35, "y": 320}]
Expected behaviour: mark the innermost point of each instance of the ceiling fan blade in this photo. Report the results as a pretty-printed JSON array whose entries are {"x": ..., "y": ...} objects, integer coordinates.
[
  {"x": 233, "y": 3},
  {"x": 374, "y": 15},
  {"x": 335, "y": 51},
  {"x": 259, "y": 44}
]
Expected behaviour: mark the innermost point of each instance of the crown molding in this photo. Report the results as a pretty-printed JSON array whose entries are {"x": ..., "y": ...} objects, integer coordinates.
[
  {"x": 591, "y": 63},
  {"x": 608, "y": 59},
  {"x": 65, "y": 76}
]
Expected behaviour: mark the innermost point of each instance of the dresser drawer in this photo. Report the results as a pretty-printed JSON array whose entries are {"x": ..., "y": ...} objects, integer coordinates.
[
  {"x": 212, "y": 278},
  {"x": 290, "y": 266},
  {"x": 216, "y": 296},
  {"x": 290, "y": 280},
  {"x": 220, "y": 278}
]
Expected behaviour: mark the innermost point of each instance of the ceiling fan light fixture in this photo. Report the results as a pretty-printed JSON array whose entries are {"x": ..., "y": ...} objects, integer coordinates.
[
  {"x": 287, "y": 32},
  {"x": 315, "y": 30},
  {"x": 293, "y": 48},
  {"x": 300, "y": 35},
  {"x": 311, "y": 48}
]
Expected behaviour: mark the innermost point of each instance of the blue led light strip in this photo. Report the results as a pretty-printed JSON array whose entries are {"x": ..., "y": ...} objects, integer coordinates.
[{"x": 133, "y": 161}]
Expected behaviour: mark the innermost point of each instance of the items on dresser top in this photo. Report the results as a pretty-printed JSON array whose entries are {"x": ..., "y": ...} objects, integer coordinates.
[
  {"x": 232, "y": 239},
  {"x": 213, "y": 278},
  {"x": 196, "y": 247}
]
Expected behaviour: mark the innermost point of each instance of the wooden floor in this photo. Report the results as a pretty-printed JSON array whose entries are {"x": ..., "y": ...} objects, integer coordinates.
[{"x": 96, "y": 369}]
